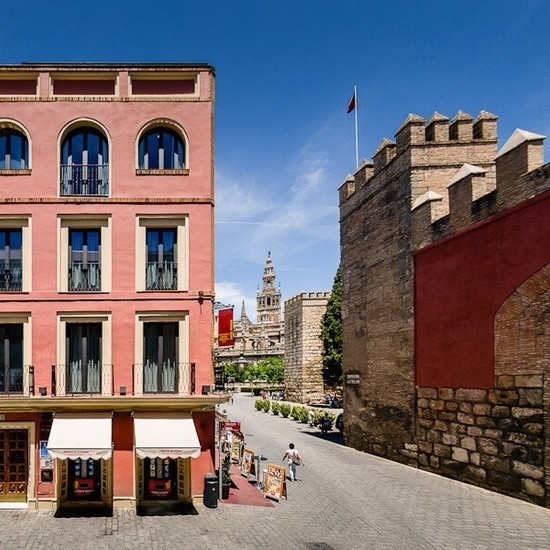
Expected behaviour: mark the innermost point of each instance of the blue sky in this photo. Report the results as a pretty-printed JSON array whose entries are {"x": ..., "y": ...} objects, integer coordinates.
[{"x": 285, "y": 73}]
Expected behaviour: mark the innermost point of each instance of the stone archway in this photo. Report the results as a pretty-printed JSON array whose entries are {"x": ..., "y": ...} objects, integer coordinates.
[{"x": 522, "y": 349}]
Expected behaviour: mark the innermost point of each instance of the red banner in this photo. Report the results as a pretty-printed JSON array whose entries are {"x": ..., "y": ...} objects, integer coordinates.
[{"x": 225, "y": 327}]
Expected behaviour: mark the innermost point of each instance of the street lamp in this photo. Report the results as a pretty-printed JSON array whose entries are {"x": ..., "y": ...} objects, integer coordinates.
[{"x": 241, "y": 363}]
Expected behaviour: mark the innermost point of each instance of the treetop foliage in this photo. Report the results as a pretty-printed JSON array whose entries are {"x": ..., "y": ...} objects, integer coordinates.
[{"x": 331, "y": 335}]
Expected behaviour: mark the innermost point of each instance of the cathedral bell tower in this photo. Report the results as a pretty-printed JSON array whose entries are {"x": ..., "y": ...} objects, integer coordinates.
[{"x": 268, "y": 301}]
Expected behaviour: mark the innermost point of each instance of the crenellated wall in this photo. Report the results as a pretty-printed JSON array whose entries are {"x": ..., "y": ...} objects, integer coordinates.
[{"x": 437, "y": 233}]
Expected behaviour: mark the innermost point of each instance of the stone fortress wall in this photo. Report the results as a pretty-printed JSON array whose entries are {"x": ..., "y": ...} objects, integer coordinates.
[{"x": 445, "y": 303}]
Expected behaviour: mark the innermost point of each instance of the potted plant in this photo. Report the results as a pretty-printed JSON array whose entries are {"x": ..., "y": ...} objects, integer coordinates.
[{"x": 226, "y": 476}]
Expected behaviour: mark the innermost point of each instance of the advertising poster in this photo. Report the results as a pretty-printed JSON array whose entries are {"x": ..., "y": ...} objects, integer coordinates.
[
  {"x": 246, "y": 464},
  {"x": 275, "y": 484}
]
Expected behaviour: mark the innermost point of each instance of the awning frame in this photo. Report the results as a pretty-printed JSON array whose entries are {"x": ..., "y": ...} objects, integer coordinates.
[
  {"x": 81, "y": 435},
  {"x": 165, "y": 435}
]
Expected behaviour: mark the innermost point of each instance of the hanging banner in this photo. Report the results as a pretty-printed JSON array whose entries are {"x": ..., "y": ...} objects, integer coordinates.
[{"x": 225, "y": 328}]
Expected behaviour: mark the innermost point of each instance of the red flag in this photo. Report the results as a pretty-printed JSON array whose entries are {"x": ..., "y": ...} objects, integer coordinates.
[{"x": 351, "y": 104}]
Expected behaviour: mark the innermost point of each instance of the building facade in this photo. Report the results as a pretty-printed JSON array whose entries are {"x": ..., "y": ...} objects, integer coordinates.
[
  {"x": 255, "y": 342},
  {"x": 106, "y": 230},
  {"x": 445, "y": 303},
  {"x": 304, "y": 347}
]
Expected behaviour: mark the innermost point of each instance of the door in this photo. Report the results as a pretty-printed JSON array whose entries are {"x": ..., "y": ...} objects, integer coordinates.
[{"x": 14, "y": 465}]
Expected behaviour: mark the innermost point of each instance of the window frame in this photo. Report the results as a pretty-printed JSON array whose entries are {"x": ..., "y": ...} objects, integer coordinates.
[
  {"x": 24, "y": 319},
  {"x": 179, "y": 317},
  {"x": 178, "y": 222},
  {"x": 66, "y": 223},
  {"x": 14, "y": 127},
  {"x": 169, "y": 126},
  {"x": 82, "y": 124},
  {"x": 65, "y": 318},
  {"x": 23, "y": 223}
]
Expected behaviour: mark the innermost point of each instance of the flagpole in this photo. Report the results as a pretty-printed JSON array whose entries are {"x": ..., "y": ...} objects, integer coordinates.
[{"x": 356, "y": 130}]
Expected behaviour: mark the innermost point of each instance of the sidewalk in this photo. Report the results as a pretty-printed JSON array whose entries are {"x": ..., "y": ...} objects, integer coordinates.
[{"x": 245, "y": 492}]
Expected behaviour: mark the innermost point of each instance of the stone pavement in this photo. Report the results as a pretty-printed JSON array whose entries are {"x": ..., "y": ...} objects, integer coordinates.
[{"x": 344, "y": 500}]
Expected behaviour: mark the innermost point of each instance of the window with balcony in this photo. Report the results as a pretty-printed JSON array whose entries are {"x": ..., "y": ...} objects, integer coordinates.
[
  {"x": 11, "y": 358},
  {"x": 85, "y": 163},
  {"x": 160, "y": 362},
  {"x": 84, "y": 367},
  {"x": 161, "y": 149},
  {"x": 11, "y": 275},
  {"x": 162, "y": 270},
  {"x": 14, "y": 150},
  {"x": 84, "y": 253},
  {"x": 84, "y": 260},
  {"x": 162, "y": 253}
]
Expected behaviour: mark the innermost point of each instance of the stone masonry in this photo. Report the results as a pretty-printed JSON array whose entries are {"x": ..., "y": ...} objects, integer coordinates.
[
  {"x": 438, "y": 179},
  {"x": 491, "y": 438},
  {"x": 303, "y": 346}
]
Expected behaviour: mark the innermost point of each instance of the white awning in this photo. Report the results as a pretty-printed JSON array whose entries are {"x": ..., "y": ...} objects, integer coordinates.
[
  {"x": 81, "y": 435},
  {"x": 166, "y": 435}
]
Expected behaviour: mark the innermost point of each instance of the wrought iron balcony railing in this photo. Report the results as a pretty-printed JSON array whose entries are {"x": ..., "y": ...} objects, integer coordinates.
[
  {"x": 77, "y": 377},
  {"x": 161, "y": 276},
  {"x": 17, "y": 380},
  {"x": 84, "y": 277},
  {"x": 165, "y": 377},
  {"x": 85, "y": 179},
  {"x": 11, "y": 276}
]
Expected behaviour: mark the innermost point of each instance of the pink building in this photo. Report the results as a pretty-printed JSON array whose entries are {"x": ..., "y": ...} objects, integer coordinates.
[{"x": 106, "y": 282}]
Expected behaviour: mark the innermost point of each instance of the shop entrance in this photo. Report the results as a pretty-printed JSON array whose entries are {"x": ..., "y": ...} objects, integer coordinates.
[
  {"x": 14, "y": 465},
  {"x": 84, "y": 479},
  {"x": 160, "y": 478},
  {"x": 163, "y": 479}
]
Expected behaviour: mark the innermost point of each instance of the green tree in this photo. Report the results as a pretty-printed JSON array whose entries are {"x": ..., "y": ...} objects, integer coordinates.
[
  {"x": 272, "y": 370},
  {"x": 331, "y": 335},
  {"x": 233, "y": 371}
]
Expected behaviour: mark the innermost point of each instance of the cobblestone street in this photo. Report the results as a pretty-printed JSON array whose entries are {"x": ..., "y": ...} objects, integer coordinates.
[{"x": 344, "y": 499}]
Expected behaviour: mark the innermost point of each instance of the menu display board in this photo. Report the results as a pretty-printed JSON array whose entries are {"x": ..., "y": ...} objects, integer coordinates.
[
  {"x": 235, "y": 452},
  {"x": 275, "y": 482},
  {"x": 247, "y": 462}
]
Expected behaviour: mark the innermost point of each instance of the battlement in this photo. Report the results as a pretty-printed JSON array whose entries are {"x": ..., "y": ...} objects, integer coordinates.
[
  {"x": 449, "y": 170},
  {"x": 475, "y": 194},
  {"x": 431, "y": 152},
  {"x": 303, "y": 296}
]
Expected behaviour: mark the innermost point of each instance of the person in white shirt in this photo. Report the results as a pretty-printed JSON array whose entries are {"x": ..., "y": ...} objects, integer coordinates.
[{"x": 293, "y": 458}]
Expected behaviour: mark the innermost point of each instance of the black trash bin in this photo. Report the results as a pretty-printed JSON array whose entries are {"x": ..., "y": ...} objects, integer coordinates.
[{"x": 211, "y": 492}]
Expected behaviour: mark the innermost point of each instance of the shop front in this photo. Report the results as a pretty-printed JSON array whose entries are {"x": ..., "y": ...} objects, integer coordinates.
[
  {"x": 164, "y": 446},
  {"x": 81, "y": 444}
]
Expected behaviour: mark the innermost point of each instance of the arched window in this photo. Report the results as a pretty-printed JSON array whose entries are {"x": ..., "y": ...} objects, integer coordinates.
[
  {"x": 14, "y": 150},
  {"x": 161, "y": 149},
  {"x": 85, "y": 163}
]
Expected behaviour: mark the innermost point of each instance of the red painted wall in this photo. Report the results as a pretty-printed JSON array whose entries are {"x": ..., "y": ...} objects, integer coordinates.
[{"x": 460, "y": 283}]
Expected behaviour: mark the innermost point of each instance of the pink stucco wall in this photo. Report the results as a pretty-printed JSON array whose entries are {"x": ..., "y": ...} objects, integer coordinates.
[{"x": 35, "y": 194}]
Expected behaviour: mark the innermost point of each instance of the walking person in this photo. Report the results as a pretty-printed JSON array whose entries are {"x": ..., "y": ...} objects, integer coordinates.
[
  {"x": 326, "y": 424},
  {"x": 293, "y": 458},
  {"x": 311, "y": 417}
]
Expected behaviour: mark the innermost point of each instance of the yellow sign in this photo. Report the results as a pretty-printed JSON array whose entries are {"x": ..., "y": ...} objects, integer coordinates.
[{"x": 275, "y": 482}]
